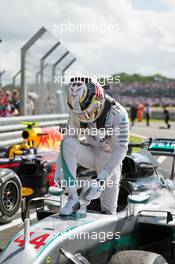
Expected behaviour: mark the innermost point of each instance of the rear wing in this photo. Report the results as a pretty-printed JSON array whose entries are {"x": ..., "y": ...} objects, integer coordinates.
[
  {"x": 158, "y": 147},
  {"x": 162, "y": 147}
]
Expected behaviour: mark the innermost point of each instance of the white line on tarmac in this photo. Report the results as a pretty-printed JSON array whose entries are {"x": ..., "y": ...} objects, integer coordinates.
[
  {"x": 16, "y": 222},
  {"x": 161, "y": 159},
  {"x": 136, "y": 135}
]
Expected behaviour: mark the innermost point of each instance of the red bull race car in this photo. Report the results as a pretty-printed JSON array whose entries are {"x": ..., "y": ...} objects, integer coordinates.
[{"x": 27, "y": 169}]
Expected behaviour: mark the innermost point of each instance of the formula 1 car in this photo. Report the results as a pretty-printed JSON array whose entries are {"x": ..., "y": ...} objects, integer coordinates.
[
  {"x": 27, "y": 169},
  {"x": 142, "y": 231},
  {"x": 35, "y": 140}
]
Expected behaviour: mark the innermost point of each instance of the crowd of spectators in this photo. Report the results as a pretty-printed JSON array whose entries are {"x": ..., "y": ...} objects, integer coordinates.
[
  {"x": 9, "y": 103},
  {"x": 153, "y": 93},
  {"x": 154, "y": 101},
  {"x": 156, "y": 93}
]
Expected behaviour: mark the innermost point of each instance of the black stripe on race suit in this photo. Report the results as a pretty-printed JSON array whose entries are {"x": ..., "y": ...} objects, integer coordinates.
[
  {"x": 123, "y": 132},
  {"x": 123, "y": 136},
  {"x": 100, "y": 122},
  {"x": 123, "y": 125}
]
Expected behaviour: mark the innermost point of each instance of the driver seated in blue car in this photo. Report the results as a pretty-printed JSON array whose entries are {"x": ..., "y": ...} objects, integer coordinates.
[{"x": 105, "y": 125}]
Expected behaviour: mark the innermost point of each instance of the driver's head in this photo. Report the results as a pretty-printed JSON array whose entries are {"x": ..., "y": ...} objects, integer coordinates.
[{"x": 85, "y": 98}]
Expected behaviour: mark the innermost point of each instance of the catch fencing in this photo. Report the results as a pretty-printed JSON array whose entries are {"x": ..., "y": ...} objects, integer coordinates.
[{"x": 43, "y": 60}]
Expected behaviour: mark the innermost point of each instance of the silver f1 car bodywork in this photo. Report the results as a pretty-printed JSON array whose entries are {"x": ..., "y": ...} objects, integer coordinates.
[{"x": 144, "y": 221}]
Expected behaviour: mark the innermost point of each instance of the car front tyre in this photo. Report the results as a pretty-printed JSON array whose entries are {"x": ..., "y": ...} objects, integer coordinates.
[
  {"x": 137, "y": 256},
  {"x": 10, "y": 195}
]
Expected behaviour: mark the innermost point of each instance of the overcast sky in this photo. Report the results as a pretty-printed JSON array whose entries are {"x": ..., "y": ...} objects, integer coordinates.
[{"x": 145, "y": 43}]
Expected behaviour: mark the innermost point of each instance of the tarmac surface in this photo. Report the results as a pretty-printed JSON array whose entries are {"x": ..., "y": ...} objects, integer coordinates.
[{"x": 156, "y": 129}]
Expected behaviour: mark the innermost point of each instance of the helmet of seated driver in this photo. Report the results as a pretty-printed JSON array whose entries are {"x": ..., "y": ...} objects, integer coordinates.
[{"x": 85, "y": 98}]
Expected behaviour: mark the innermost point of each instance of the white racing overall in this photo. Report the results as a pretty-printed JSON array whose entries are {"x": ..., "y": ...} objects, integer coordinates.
[{"x": 107, "y": 146}]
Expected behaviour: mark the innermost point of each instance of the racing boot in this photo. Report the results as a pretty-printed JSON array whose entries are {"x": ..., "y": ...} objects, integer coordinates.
[{"x": 72, "y": 204}]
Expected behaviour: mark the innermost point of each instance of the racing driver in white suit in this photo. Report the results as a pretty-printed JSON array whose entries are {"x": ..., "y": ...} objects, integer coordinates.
[{"x": 105, "y": 125}]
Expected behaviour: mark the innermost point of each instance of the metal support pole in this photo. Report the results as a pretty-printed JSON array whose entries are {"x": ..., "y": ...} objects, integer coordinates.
[
  {"x": 37, "y": 81},
  {"x": 61, "y": 93},
  {"x": 67, "y": 66},
  {"x": 61, "y": 101},
  {"x": 37, "y": 76},
  {"x": 57, "y": 62},
  {"x": 1, "y": 73},
  {"x": 24, "y": 49},
  {"x": 14, "y": 78},
  {"x": 41, "y": 89}
]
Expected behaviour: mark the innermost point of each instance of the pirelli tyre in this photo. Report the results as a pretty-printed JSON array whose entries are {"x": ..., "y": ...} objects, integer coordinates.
[
  {"x": 10, "y": 195},
  {"x": 137, "y": 256}
]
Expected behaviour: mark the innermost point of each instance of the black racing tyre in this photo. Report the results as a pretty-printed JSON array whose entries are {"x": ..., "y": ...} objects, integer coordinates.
[
  {"x": 10, "y": 195},
  {"x": 137, "y": 256}
]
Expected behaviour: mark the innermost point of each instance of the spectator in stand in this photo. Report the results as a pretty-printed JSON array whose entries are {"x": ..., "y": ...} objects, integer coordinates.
[
  {"x": 133, "y": 114},
  {"x": 8, "y": 96},
  {"x": 2, "y": 97},
  {"x": 148, "y": 114},
  {"x": 9, "y": 109},
  {"x": 166, "y": 116},
  {"x": 15, "y": 99},
  {"x": 50, "y": 104},
  {"x": 30, "y": 104},
  {"x": 2, "y": 101}
]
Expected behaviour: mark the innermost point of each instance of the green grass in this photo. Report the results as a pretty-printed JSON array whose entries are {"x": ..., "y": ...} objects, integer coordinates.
[
  {"x": 151, "y": 120},
  {"x": 160, "y": 109},
  {"x": 135, "y": 139}
]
